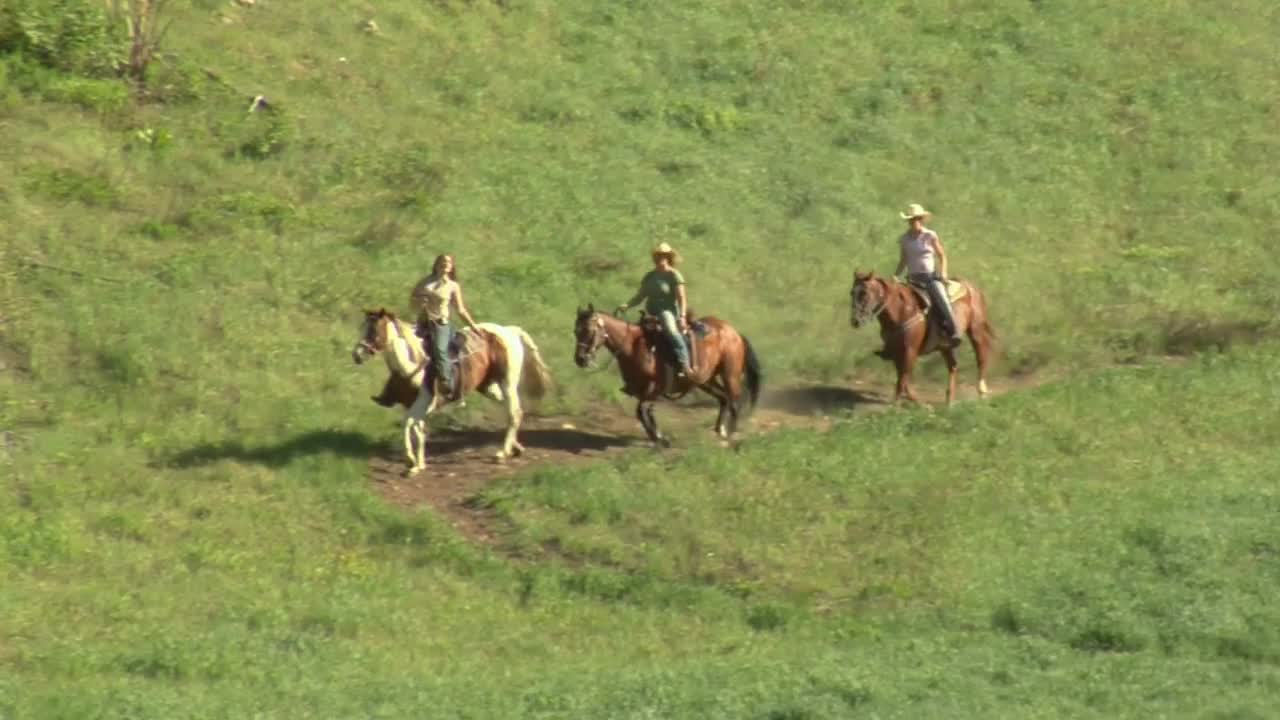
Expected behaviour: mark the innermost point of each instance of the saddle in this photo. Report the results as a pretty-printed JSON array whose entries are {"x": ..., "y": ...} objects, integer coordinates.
[
  {"x": 656, "y": 338},
  {"x": 955, "y": 291},
  {"x": 455, "y": 354}
]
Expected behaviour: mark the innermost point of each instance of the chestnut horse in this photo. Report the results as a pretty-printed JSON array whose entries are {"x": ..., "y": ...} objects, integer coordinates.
[
  {"x": 724, "y": 359},
  {"x": 909, "y": 332},
  {"x": 500, "y": 361}
]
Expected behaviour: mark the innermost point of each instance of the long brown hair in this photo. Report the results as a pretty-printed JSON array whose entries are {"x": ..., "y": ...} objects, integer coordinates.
[{"x": 435, "y": 266}]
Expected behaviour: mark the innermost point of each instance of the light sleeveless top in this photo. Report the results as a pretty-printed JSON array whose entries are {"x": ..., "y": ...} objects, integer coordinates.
[
  {"x": 919, "y": 251},
  {"x": 432, "y": 297}
]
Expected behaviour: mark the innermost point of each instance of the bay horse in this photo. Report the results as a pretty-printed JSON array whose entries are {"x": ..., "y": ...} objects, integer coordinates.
[
  {"x": 724, "y": 361},
  {"x": 500, "y": 361},
  {"x": 908, "y": 330}
]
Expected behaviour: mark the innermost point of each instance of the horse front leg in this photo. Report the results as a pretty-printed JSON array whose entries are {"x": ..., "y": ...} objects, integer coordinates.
[
  {"x": 905, "y": 363},
  {"x": 644, "y": 411},
  {"x": 415, "y": 430},
  {"x": 662, "y": 440},
  {"x": 643, "y": 417}
]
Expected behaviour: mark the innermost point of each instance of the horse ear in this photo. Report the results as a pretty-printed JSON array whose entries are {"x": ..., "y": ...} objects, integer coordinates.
[{"x": 591, "y": 307}]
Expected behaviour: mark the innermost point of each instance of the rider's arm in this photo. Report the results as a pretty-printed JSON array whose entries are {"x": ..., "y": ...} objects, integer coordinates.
[
  {"x": 682, "y": 302},
  {"x": 462, "y": 307},
  {"x": 902, "y": 261},
  {"x": 942, "y": 256},
  {"x": 635, "y": 299}
]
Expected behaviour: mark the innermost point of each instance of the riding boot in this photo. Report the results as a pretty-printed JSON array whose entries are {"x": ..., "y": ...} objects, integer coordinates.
[{"x": 942, "y": 301}]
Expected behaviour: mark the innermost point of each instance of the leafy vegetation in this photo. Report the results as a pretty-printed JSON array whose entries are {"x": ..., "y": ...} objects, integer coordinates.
[{"x": 185, "y": 525}]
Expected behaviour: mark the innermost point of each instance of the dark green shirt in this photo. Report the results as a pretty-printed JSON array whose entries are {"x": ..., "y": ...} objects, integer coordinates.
[{"x": 658, "y": 290}]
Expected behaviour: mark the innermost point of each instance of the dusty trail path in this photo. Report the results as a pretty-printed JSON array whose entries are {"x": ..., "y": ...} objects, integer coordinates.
[{"x": 460, "y": 462}]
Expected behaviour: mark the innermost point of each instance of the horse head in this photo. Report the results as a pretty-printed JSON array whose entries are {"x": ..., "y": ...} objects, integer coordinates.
[
  {"x": 868, "y": 297},
  {"x": 588, "y": 330},
  {"x": 373, "y": 335}
]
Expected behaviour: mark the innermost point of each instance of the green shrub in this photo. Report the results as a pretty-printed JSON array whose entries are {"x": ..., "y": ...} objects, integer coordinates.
[{"x": 69, "y": 35}]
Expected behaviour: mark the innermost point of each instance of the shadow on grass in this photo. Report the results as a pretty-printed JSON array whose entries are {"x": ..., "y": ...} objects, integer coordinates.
[
  {"x": 337, "y": 442},
  {"x": 817, "y": 399},
  {"x": 575, "y": 442},
  {"x": 358, "y": 445}
]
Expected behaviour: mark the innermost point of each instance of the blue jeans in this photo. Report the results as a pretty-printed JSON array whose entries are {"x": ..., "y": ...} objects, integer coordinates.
[
  {"x": 937, "y": 290},
  {"x": 672, "y": 329},
  {"x": 438, "y": 346}
]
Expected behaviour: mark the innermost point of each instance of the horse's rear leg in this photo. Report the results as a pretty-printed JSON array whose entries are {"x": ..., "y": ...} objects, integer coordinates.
[
  {"x": 510, "y": 447},
  {"x": 726, "y": 410},
  {"x": 950, "y": 357},
  {"x": 980, "y": 339},
  {"x": 733, "y": 398}
]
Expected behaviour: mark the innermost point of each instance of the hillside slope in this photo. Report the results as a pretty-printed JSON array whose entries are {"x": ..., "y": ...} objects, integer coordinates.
[{"x": 181, "y": 277}]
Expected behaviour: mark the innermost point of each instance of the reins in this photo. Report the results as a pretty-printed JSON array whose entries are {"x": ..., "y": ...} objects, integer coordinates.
[{"x": 592, "y": 350}]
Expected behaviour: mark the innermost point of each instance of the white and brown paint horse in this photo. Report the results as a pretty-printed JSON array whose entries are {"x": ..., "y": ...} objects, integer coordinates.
[{"x": 500, "y": 361}]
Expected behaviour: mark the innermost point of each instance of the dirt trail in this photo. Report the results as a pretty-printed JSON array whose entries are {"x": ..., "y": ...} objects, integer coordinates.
[{"x": 460, "y": 463}]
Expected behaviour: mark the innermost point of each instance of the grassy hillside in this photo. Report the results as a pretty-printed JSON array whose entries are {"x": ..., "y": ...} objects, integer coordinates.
[
  {"x": 181, "y": 278},
  {"x": 1102, "y": 548}
]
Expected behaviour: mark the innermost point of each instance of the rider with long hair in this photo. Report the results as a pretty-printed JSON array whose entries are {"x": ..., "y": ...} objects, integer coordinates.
[
  {"x": 663, "y": 291},
  {"x": 921, "y": 254},
  {"x": 433, "y": 298}
]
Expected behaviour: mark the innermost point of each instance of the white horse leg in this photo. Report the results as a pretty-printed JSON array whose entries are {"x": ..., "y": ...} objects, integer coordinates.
[
  {"x": 515, "y": 414},
  {"x": 507, "y": 391},
  {"x": 415, "y": 429}
]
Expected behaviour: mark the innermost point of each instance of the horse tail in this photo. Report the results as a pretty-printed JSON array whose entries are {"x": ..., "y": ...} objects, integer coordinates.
[
  {"x": 754, "y": 376},
  {"x": 984, "y": 317},
  {"x": 535, "y": 376}
]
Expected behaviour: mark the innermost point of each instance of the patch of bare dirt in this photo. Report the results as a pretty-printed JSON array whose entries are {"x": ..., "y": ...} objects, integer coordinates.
[{"x": 461, "y": 463}]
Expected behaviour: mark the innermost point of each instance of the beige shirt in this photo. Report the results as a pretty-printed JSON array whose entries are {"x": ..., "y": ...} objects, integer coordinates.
[
  {"x": 919, "y": 252},
  {"x": 432, "y": 297}
]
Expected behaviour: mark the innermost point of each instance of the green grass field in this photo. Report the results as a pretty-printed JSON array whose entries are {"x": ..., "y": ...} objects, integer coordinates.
[{"x": 181, "y": 278}]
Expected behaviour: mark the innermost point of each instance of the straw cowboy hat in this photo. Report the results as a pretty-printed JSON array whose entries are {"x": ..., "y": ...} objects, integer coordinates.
[
  {"x": 914, "y": 210},
  {"x": 665, "y": 249}
]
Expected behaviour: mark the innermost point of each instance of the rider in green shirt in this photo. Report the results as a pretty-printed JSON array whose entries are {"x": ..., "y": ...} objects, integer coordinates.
[{"x": 663, "y": 292}]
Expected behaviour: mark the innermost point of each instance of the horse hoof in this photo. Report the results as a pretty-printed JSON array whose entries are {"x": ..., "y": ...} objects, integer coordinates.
[
  {"x": 517, "y": 450},
  {"x": 501, "y": 456}
]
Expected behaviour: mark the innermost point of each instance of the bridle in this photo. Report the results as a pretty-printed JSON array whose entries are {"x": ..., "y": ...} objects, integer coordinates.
[
  {"x": 597, "y": 339},
  {"x": 364, "y": 344},
  {"x": 373, "y": 349},
  {"x": 860, "y": 312}
]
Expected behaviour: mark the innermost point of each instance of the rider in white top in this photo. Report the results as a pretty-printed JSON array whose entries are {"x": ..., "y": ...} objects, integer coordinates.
[{"x": 921, "y": 254}]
